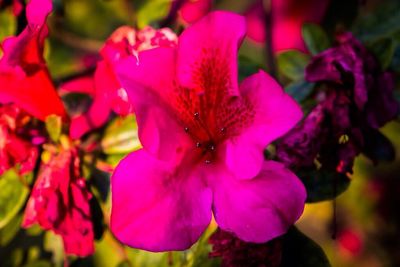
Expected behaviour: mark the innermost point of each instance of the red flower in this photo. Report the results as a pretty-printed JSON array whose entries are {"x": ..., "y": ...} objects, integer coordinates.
[
  {"x": 14, "y": 149},
  {"x": 60, "y": 202},
  {"x": 108, "y": 95},
  {"x": 24, "y": 78}
]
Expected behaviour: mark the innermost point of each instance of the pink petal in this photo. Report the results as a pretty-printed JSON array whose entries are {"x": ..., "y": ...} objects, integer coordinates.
[
  {"x": 275, "y": 114},
  {"x": 37, "y": 11},
  {"x": 148, "y": 83},
  {"x": 193, "y": 10},
  {"x": 260, "y": 209},
  {"x": 84, "y": 85},
  {"x": 208, "y": 52},
  {"x": 156, "y": 207}
]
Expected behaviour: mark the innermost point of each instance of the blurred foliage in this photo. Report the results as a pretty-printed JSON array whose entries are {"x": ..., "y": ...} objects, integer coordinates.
[
  {"x": 315, "y": 38},
  {"x": 14, "y": 191}
]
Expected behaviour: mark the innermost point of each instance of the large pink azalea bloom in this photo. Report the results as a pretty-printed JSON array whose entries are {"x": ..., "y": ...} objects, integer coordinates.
[
  {"x": 203, "y": 137},
  {"x": 24, "y": 78},
  {"x": 288, "y": 17},
  {"x": 60, "y": 202},
  {"x": 107, "y": 93}
]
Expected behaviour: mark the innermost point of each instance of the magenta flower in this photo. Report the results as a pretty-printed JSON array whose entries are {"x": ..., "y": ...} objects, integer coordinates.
[
  {"x": 59, "y": 201},
  {"x": 15, "y": 146},
  {"x": 107, "y": 92},
  {"x": 203, "y": 137},
  {"x": 288, "y": 17},
  {"x": 193, "y": 10},
  {"x": 24, "y": 78}
]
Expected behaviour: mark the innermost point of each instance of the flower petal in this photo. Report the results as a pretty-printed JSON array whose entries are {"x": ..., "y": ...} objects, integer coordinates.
[
  {"x": 157, "y": 208},
  {"x": 260, "y": 209},
  {"x": 208, "y": 52},
  {"x": 275, "y": 114},
  {"x": 159, "y": 131}
]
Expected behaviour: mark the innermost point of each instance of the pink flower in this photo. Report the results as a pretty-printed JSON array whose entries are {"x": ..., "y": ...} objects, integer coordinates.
[
  {"x": 107, "y": 92},
  {"x": 193, "y": 10},
  {"x": 15, "y": 149},
  {"x": 59, "y": 201},
  {"x": 203, "y": 137},
  {"x": 288, "y": 17},
  {"x": 24, "y": 78}
]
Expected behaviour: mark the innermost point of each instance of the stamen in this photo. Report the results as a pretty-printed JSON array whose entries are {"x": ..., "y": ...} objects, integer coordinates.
[
  {"x": 198, "y": 144},
  {"x": 207, "y": 161},
  {"x": 186, "y": 129},
  {"x": 196, "y": 115}
]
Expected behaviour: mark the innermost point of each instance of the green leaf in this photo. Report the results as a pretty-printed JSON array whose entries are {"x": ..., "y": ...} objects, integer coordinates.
[
  {"x": 10, "y": 230},
  {"x": 13, "y": 194},
  {"x": 53, "y": 127},
  {"x": 323, "y": 185},
  {"x": 152, "y": 11},
  {"x": 299, "y": 90},
  {"x": 8, "y": 23},
  {"x": 315, "y": 38},
  {"x": 247, "y": 67},
  {"x": 382, "y": 23},
  {"x": 384, "y": 50},
  {"x": 292, "y": 64},
  {"x": 300, "y": 251},
  {"x": 121, "y": 136},
  {"x": 53, "y": 243}
]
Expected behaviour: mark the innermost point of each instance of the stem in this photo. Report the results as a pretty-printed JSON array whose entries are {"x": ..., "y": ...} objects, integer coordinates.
[{"x": 271, "y": 64}]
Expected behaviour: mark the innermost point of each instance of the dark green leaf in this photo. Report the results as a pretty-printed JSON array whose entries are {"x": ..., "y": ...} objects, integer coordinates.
[
  {"x": 13, "y": 194},
  {"x": 315, "y": 38},
  {"x": 292, "y": 64},
  {"x": 382, "y": 23},
  {"x": 247, "y": 67},
  {"x": 300, "y": 251},
  {"x": 378, "y": 147},
  {"x": 323, "y": 185},
  {"x": 384, "y": 50},
  {"x": 299, "y": 90},
  {"x": 8, "y": 232}
]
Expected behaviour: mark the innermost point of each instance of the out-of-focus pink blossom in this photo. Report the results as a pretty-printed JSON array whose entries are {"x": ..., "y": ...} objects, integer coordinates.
[
  {"x": 107, "y": 93},
  {"x": 59, "y": 201},
  {"x": 15, "y": 146},
  {"x": 203, "y": 137},
  {"x": 288, "y": 17},
  {"x": 193, "y": 10},
  {"x": 24, "y": 78},
  {"x": 17, "y": 6}
]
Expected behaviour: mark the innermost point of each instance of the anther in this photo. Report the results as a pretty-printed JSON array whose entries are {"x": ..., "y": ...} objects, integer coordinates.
[
  {"x": 207, "y": 161},
  {"x": 198, "y": 144},
  {"x": 212, "y": 147},
  {"x": 186, "y": 129},
  {"x": 223, "y": 130},
  {"x": 196, "y": 115}
]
